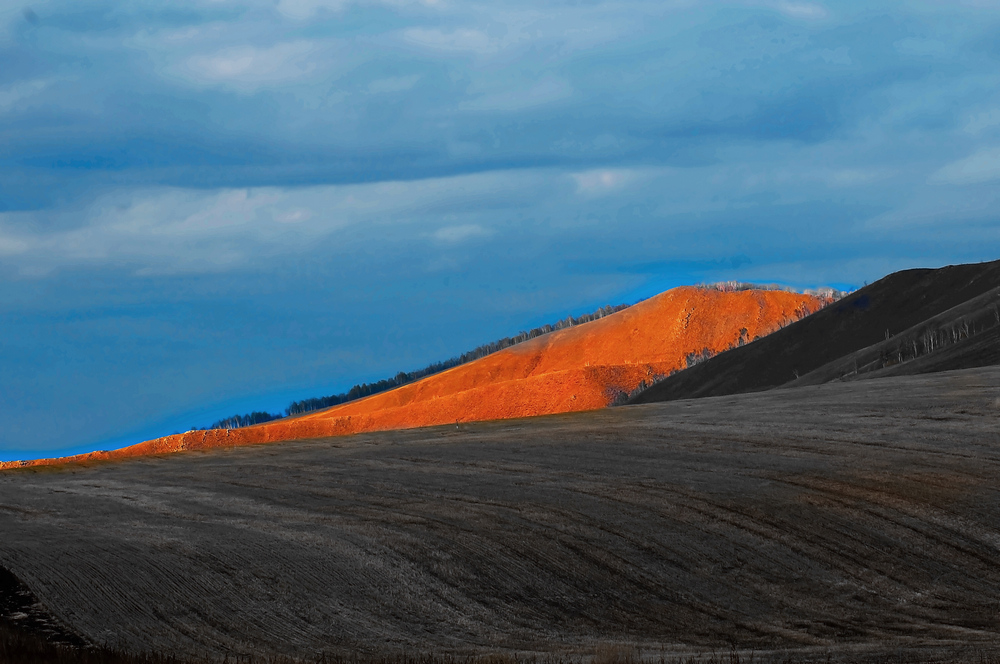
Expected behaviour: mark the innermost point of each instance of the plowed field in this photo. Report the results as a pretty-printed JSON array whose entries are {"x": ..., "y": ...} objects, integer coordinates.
[{"x": 845, "y": 520}]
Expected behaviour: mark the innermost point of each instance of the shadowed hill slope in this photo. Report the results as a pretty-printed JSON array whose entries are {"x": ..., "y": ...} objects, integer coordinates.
[
  {"x": 580, "y": 368},
  {"x": 962, "y": 337},
  {"x": 869, "y": 320}
]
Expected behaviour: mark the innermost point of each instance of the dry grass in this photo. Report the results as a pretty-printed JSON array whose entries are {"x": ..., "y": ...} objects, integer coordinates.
[
  {"x": 855, "y": 518},
  {"x": 20, "y": 647},
  {"x": 616, "y": 654}
]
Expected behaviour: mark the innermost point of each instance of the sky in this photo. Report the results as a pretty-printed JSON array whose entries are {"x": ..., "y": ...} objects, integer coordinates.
[{"x": 209, "y": 207}]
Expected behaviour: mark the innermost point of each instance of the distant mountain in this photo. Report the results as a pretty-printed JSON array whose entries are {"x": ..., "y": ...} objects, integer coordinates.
[
  {"x": 583, "y": 367},
  {"x": 914, "y": 321}
]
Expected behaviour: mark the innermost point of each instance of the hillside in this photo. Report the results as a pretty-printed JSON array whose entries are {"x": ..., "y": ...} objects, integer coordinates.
[
  {"x": 963, "y": 337},
  {"x": 575, "y": 369},
  {"x": 866, "y": 333},
  {"x": 362, "y": 390}
]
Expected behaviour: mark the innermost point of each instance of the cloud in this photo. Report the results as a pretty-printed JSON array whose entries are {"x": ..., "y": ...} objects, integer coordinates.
[
  {"x": 10, "y": 246},
  {"x": 153, "y": 231},
  {"x": 836, "y": 56},
  {"x": 169, "y": 230},
  {"x": 393, "y": 84},
  {"x": 455, "y": 234},
  {"x": 505, "y": 85},
  {"x": 12, "y": 97},
  {"x": 172, "y": 230},
  {"x": 601, "y": 181},
  {"x": 458, "y": 40},
  {"x": 545, "y": 91},
  {"x": 922, "y": 47},
  {"x": 293, "y": 216},
  {"x": 854, "y": 177},
  {"x": 802, "y": 10},
  {"x": 980, "y": 122},
  {"x": 983, "y": 166},
  {"x": 248, "y": 68},
  {"x": 305, "y": 9}
]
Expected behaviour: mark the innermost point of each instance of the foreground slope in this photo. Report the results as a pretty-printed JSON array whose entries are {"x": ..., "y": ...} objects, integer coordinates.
[
  {"x": 579, "y": 368},
  {"x": 871, "y": 329},
  {"x": 848, "y": 518}
]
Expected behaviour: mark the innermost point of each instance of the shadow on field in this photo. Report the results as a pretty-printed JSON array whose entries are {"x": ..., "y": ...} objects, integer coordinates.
[
  {"x": 22, "y": 614},
  {"x": 21, "y": 647}
]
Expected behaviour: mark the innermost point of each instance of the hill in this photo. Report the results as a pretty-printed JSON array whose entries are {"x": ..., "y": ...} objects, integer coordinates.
[
  {"x": 363, "y": 390},
  {"x": 584, "y": 367},
  {"x": 913, "y": 321}
]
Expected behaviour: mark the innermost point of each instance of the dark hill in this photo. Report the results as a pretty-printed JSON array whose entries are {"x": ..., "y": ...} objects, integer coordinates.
[
  {"x": 963, "y": 337},
  {"x": 914, "y": 321}
]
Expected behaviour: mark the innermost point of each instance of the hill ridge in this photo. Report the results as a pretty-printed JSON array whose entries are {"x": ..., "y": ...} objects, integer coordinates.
[
  {"x": 871, "y": 315},
  {"x": 362, "y": 390},
  {"x": 584, "y": 367}
]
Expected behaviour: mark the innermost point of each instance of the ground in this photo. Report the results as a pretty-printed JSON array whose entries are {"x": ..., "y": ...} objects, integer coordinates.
[{"x": 842, "y": 519}]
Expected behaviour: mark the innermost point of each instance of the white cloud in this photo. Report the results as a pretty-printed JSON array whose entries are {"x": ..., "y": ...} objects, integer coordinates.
[
  {"x": 460, "y": 40},
  {"x": 13, "y": 95},
  {"x": 836, "y": 56},
  {"x": 171, "y": 214},
  {"x": 921, "y": 47},
  {"x": 854, "y": 177},
  {"x": 393, "y": 84},
  {"x": 10, "y": 246},
  {"x": 247, "y": 67},
  {"x": 293, "y": 216},
  {"x": 802, "y": 10},
  {"x": 983, "y": 166},
  {"x": 157, "y": 231},
  {"x": 302, "y": 9},
  {"x": 982, "y": 121},
  {"x": 167, "y": 230},
  {"x": 601, "y": 181},
  {"x": 461, "y": 233},
  {"x": 545, "y": 91},
  {"x": 306, "y": 9}
]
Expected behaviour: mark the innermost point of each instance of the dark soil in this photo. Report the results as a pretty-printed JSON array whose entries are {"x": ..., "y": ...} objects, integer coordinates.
[{"x": 856, "y": 521}]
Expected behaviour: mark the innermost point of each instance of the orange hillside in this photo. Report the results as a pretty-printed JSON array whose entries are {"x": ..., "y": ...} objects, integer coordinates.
[{"x": 579, "y": 368}]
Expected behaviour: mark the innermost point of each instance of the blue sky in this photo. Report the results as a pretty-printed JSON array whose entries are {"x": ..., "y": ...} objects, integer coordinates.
[{"x": 213, "y": 206}]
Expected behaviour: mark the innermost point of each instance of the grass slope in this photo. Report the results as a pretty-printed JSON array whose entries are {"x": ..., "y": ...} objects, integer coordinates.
[{"x": 584, "y": 367}]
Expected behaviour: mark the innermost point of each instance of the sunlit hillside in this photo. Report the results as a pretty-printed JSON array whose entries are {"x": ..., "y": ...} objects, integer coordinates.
[{"x": 581, "y": 368}]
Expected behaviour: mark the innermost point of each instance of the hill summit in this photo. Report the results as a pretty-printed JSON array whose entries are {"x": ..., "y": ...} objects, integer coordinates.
[{"x": 909, "y": 322}]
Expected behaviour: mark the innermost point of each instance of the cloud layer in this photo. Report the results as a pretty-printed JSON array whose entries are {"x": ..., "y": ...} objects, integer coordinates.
[{"x": 223, "y": 204}]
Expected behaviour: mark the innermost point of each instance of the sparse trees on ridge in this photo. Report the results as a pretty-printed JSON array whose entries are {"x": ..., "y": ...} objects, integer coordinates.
[
  {"x": 829, "y": 294},
  {"x": 237, "y": 421},
  {"x": 403, "y": 377}
]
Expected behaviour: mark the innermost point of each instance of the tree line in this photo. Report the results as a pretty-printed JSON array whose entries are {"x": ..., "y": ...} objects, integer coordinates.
[
  {"x": 237, "y": 421},
  {"x": 403, "y": 377}
]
